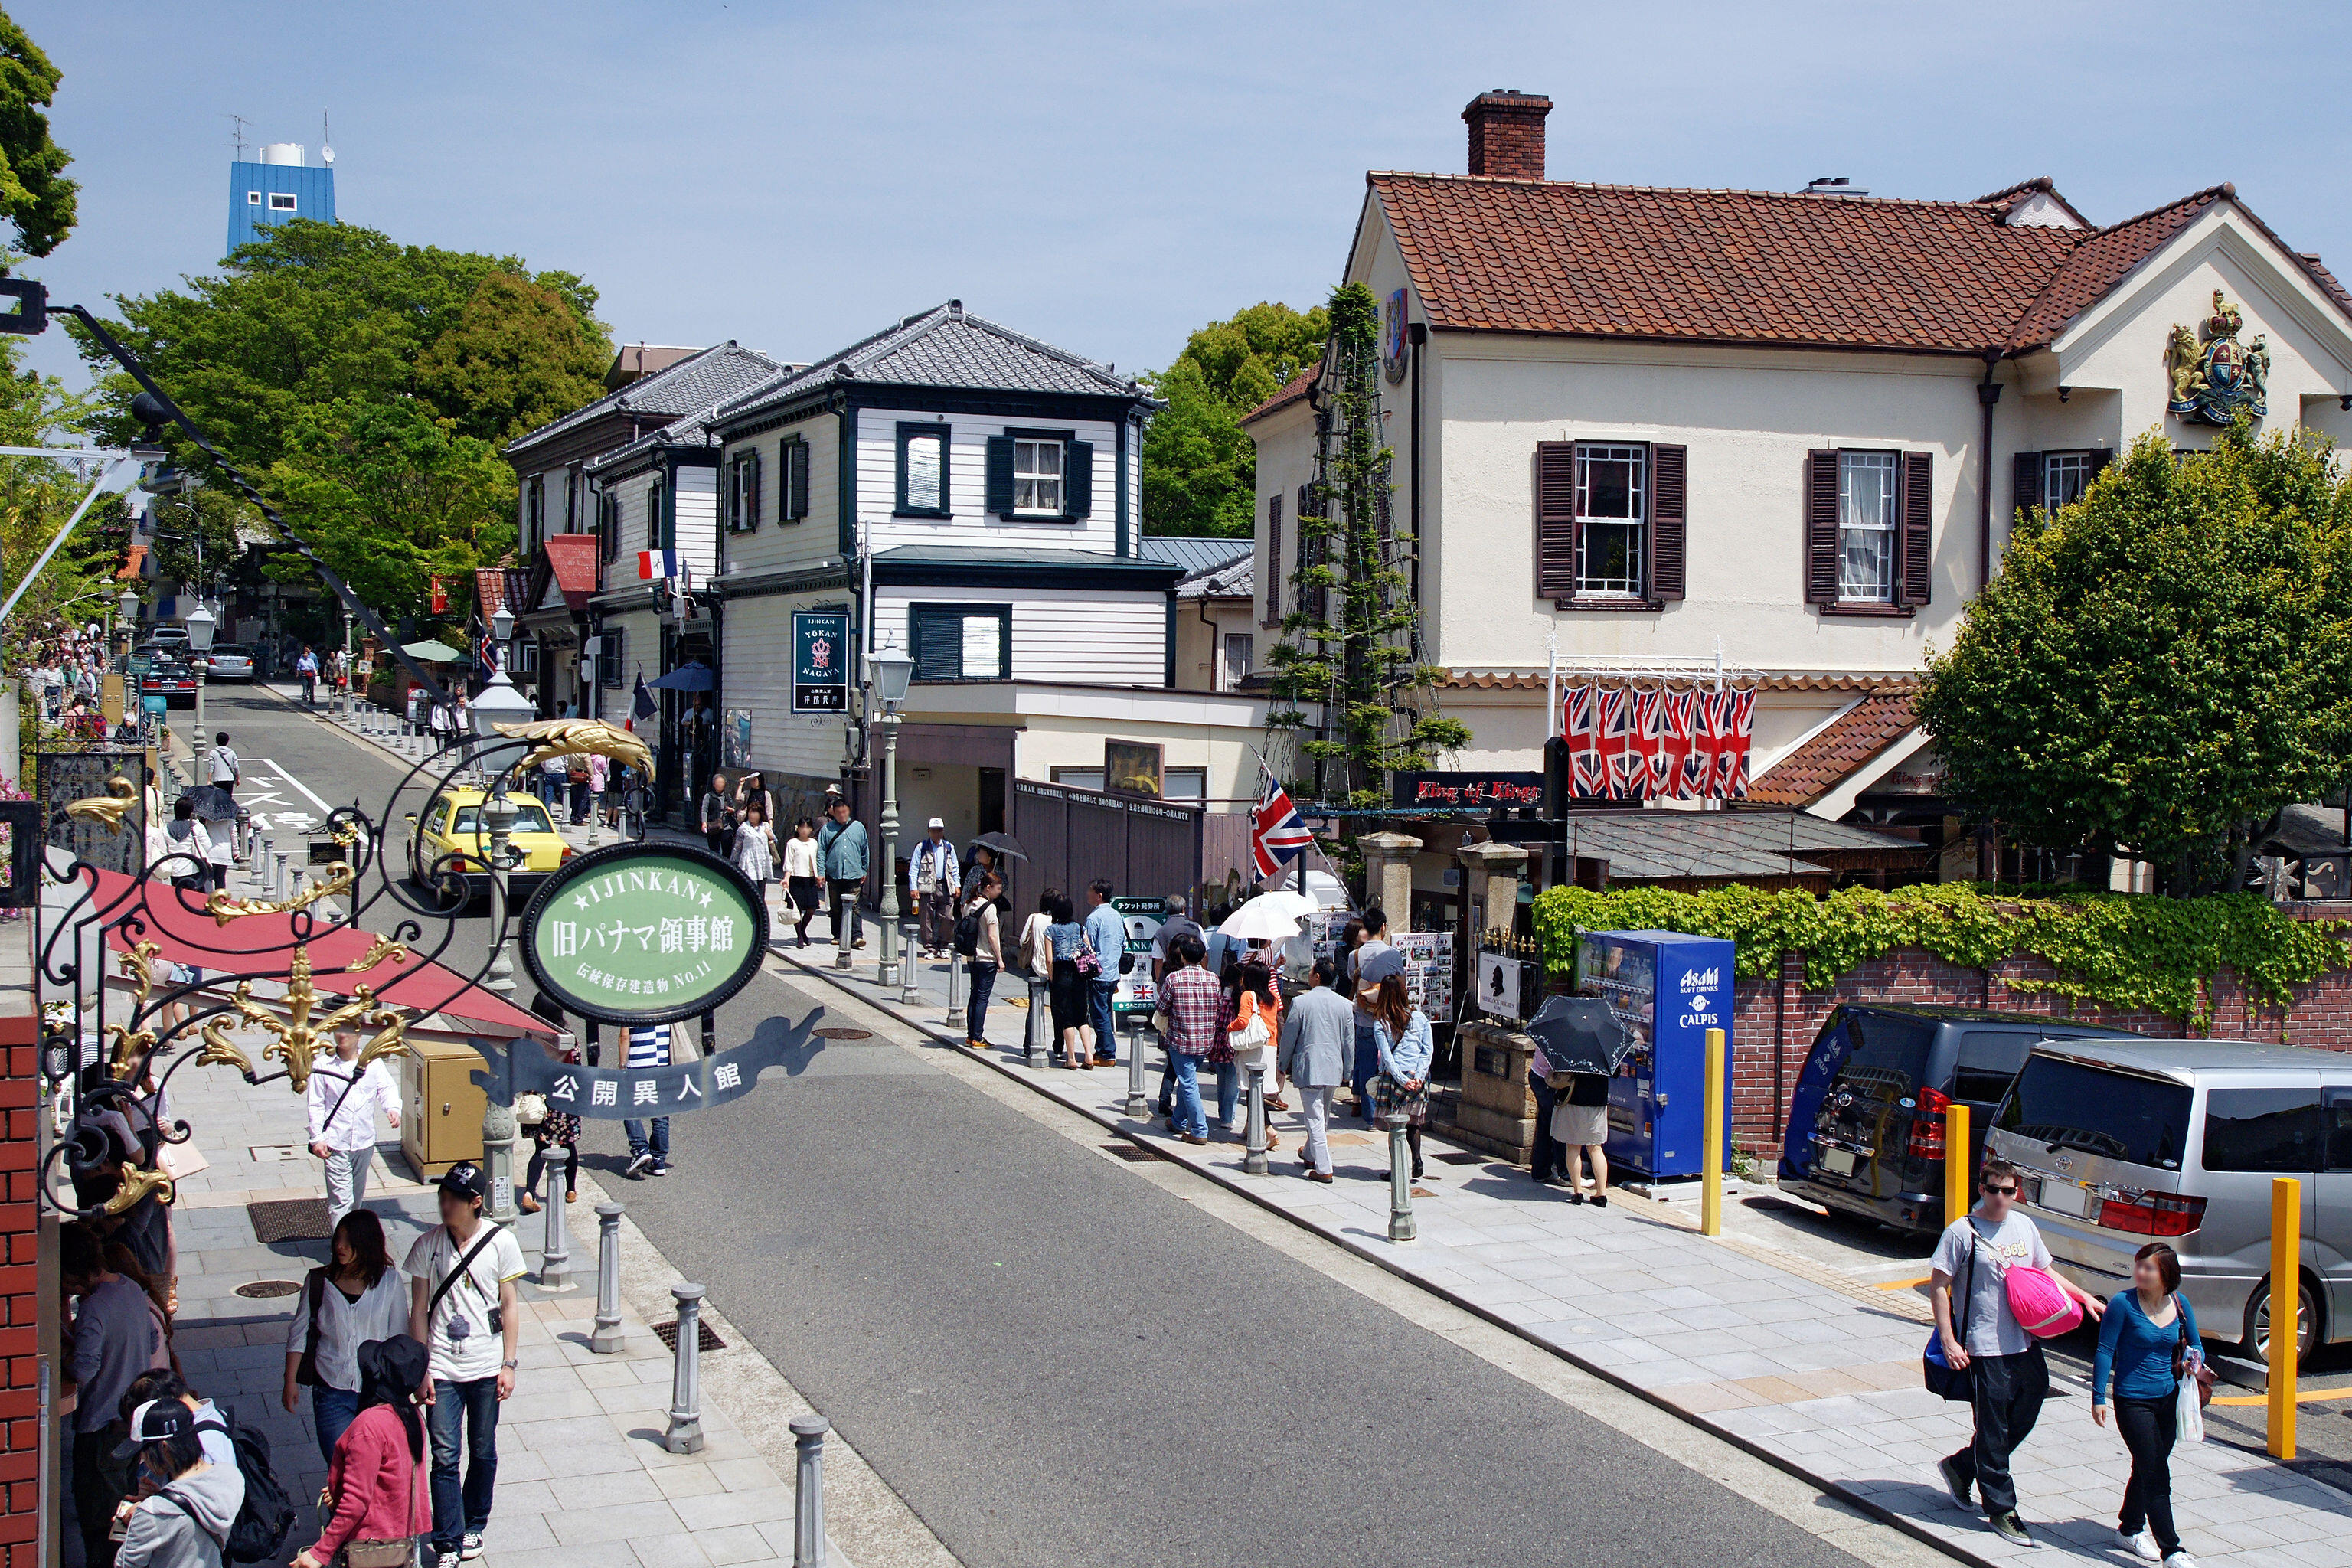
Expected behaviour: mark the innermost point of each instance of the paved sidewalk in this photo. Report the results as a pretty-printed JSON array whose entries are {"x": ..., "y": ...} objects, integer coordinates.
[{"x": 1817, "y": 1374}]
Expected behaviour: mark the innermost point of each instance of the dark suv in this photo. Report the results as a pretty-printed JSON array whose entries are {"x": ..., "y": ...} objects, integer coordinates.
[{"x": 1866, "y": 1122}]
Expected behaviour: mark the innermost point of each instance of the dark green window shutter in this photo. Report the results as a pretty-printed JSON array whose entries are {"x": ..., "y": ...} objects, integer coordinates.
[
  {"x": 999, "y": 475},
  {"x": 1077, "y": 478},
  {"x": 1821, "y": 527},
  {"x": 797, "y": 454},
  {"x": 750, "y": 492},
  {"x": 938, "y": 645}
]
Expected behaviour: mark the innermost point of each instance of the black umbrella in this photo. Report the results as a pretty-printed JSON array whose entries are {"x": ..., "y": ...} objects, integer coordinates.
[
  {"x": 1579, "y": 1034},
  {"x": 211, "y": 802},
  {"x": 1004, "y": 844}
]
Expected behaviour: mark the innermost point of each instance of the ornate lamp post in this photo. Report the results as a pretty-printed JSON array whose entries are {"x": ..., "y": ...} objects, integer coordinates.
[
  {"x": 892, "y": 671},
  {"x": 200, "y": 642},
  {"x": 500, "y": 703}
]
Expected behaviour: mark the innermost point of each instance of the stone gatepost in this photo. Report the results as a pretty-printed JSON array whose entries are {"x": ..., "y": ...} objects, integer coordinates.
[{"x": 1388, "y": 875}]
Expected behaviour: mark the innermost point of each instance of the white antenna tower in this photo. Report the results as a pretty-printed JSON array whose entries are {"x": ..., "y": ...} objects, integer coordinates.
[
  {"x": 326, "y": 142},
  {"x": 238, "y": 122}
]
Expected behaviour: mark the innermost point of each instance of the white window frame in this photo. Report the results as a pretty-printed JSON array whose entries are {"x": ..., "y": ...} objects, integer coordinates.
[
  {"x": 252, "y": 198},
  {"x": 287, "y": 196},
  {"x": 1230, "y": 677},
  {"x": 1884, "y": 532},
  {"x": 1033, "y": 481},
  {"x": 2059, "y": 467},
  {"x": 1635, "y": 526}
]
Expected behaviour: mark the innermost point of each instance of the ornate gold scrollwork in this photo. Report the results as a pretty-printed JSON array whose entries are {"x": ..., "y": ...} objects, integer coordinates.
[
  {"x": 106, "y": 810},
  {"x": 136, "y": 1184},
  {"x": 579, "y": 737},
  {"x": 297, "y": 1040},
  {"x": 220, "y": 1050},
  {"x": 224, "y": 909},
  {"x": 384, "y": 948}
]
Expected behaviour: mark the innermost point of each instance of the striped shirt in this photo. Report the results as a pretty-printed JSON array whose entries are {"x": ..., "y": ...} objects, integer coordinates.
[{"x": 649, "y": 1046}]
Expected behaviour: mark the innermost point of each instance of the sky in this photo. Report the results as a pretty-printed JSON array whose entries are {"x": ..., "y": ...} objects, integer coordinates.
[{"x": 1109, "y": 177}]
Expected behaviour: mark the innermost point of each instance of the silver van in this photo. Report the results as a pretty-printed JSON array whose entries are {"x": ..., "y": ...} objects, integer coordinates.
[{"x": 2120, "y": 1143}]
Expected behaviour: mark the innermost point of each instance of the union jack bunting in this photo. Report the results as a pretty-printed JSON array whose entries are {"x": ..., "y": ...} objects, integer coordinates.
[
  {"x": 1581, "y": 723},
  {"x": 1670, "y": 770},
  {"x": 1738, "y": 726},
  {"x": 1710, "y": 722},
  {"x": 1277, "y": 833},
  {"x": 1625, "y": 767},
  {"x": 1649, "y": 729}
]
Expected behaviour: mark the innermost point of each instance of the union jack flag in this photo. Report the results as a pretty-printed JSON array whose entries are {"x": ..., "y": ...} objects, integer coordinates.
[
  {"x": 1581, "y": 723},
  {"x": 1649, "y": 737},
  {"x": 1670, "y": 770},
  {"x": 1277, "y": 833},
  {"x": 1623, "y": 767},
  {"x": 1737, "y": 730}
]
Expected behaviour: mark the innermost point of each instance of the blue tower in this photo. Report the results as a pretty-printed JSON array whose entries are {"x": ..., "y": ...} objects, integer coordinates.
[{"x": 280, "y": 186}]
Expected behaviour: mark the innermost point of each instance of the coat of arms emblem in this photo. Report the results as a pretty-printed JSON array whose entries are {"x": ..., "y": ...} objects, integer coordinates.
[{"x": 2219, "y": 380}]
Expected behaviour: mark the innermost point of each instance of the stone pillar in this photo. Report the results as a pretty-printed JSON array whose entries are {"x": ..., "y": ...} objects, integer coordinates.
[
  {"x": 1388, "y": 875},
  {"x": 1490, "y": 886}
]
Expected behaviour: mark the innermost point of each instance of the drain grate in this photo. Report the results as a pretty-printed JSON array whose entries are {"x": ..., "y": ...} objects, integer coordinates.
[
  {"x": 1133, "y": 1153},
  {"x": 268, "y": 1290},
  {"x": 704, "y": 1339},
  {"x": 844, "y": 1034},
  {"x": 290, "y": 1219},
  {"x": 1462, "y": 1157}
]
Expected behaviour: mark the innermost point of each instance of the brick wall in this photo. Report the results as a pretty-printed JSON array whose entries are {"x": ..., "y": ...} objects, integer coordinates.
[
  {"x": 1775, "y": 1018},
  {"x": 26, "y": 1265}
]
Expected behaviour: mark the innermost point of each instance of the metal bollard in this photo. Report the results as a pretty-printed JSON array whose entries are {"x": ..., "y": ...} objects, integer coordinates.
[
  {"x": 606, "y": 1337},
  {"x": 1253, "y": 1148},
  {"x": 1401, "y": 1224},
  {"x": 1137, "y": 1108},
  {"x": 808, "y": 1490},
  {"x": 910, "y": 976},
  {"x": 1041, "y": 1026},
  {"x": 685, "y": 1433},
  {"x": 955, "y": 989}
]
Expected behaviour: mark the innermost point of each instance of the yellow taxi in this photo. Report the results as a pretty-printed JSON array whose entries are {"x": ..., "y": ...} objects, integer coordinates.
[{"x": 452, "y": 824}]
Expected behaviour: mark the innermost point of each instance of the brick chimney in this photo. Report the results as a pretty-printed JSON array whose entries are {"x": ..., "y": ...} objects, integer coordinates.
[{"x": 1506, "y": 134}]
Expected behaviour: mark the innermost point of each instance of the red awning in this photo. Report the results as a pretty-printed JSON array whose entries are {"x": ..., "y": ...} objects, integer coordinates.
[{"x": 186, "y": 935}]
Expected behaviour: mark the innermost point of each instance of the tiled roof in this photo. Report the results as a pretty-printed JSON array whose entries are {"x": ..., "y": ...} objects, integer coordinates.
[
  {"x": 2101, "y": 261},
  {"x": 1681, "y": 845},
  {"x": 1847, "y": 743},
  {"x": 695, "y": 383},
  {"x": 1298, "y": 386},
  {"x": 945, "y": 346},
  {"x": 1784, "y": 680},
  {"x": 572, "y": 560},
  {"x": 1236, "y": 579},
  {"x": 498, "y": 585},
  {"x": 2009, "y": 196}
]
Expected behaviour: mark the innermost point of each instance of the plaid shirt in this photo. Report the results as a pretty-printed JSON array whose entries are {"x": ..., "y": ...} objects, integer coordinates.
[{"x": 1195, "y": 1004}]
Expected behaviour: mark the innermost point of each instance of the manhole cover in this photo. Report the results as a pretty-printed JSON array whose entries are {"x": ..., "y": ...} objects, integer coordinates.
[
  {"x": 705, "y": 1341},
  {"x": 844, "y": 1034},
  {"x": 1462, "y": 1157},
  {"x": 1133, "y": 1153},
  {"x": 264, "y": 1290},
  {"x": 290, "y": 1219}
]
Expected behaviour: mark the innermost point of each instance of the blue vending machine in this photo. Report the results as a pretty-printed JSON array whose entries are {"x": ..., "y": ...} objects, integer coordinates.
[{"x": 1668, "y": 990}]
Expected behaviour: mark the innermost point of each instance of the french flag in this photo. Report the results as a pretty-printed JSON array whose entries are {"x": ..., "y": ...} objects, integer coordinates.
[{"x": 656, "y": 564}]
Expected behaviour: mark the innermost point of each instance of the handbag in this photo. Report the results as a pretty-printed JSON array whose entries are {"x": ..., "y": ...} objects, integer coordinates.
[
  {"x": 396, "y": 1553},
  {"x": 306, "y": 1370},
  {"x": 2200, "y": 1373},
  {"x": 181, "y": 1161},
  {"x": 2044, "y": 1308},
  {"x": 1943, "y": 1379},
  {"x": 1085, "y": 962},
  {"x": 530, "y": 1108}
]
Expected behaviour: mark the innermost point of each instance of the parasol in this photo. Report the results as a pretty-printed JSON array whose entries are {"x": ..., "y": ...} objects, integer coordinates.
[
  {"x": 210, "y": 802},
  {"x": 1004, "y": 844},
  {"x": 1579, "y": 1034},
  {"x": 432, "y": 652},
  {"x": 1263, "y": 918}
]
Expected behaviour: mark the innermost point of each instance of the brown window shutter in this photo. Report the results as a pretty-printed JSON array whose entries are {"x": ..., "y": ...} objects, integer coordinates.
[
  {"x": 2099, "y": 461},
  {"x": 1821, "y": 527},
  {"x": 1669, "y": 528},
  {"x": 2025, "y": 482},
  {"x": 1314, "y": 601},
  {"x": 1917, "y": 558},
  {"x": 1274, "y": 560},
  {"x": 1556, "y": 519}
]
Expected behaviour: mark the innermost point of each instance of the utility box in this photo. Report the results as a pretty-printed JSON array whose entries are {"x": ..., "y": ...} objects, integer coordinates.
[{"x": 441, "y": 1107}]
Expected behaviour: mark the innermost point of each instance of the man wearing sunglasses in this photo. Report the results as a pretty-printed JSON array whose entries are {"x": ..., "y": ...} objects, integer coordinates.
[{"x": 2007, "y": 1377}]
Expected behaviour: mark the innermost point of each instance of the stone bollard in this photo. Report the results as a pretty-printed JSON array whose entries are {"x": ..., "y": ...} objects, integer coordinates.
[
  {"x": 555, "y": 1252},
  {"x": 910, "y": 976},
  {"x": 808, "y": 1490},
  {"x": 606, "y": 1337},
  {"x": 955, "y": 989},
  {"x": 685, "y": 1433},
  {"x": 1137, "y": 1108},
  {"x": 1401, "y": 1224},
  {"x": 1253, "y": 1149},
  {"x": 279, "y": 888},
  {"x": 1041, "y": 1026}
]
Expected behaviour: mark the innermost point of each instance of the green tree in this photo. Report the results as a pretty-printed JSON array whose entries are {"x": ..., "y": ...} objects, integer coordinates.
[
  {"x": 2164, "y": 665},
  {"x": 518, "y": 356},
  {"x": 1200, "y": 470},
  {"x": 34, "y": 192},
  {"x": 389, "y": 495},
  {"x": 36, "y": 496}
]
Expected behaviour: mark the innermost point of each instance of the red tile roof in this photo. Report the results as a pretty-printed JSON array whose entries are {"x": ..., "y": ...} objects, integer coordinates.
[
  {"x": 571, "y": 557},
  {"x": 1826, "y": 761},
  {"x": 2099, "y": 263},
  {"x": 1298, "y": 386}
]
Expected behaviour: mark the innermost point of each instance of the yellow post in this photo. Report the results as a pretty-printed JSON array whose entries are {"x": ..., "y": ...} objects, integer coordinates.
[
  {"x": 2286, "y": 1304},
  {"x": 1956, "y": 1176},
  {"x": 1710, "y": 1198}
]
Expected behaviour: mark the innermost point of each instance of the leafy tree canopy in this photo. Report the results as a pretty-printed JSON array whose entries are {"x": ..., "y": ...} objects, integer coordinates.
[
  {"x": 2162, "y": 666},
  {"x": 1200, "y": 470},
  {"x": 519, "y": 355},
  {"x": 34, "y": 195},
  {"x": 36, "y": 496}
]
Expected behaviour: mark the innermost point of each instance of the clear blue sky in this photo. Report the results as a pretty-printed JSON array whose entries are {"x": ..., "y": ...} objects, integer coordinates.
[{"x": 1109, "y": 176}]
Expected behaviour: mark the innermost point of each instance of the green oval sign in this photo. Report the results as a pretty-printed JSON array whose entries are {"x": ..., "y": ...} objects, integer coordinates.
[{"x": 644, "y": 934}]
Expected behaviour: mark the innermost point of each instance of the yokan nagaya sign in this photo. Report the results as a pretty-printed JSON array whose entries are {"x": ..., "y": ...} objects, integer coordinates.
[{"x": 821, "y": 653}]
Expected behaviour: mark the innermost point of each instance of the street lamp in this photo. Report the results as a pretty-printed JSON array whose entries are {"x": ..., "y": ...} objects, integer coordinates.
[
  {"x": 892, "y": 671},
  {"x": 500, "y": 703},
  {"x": 200, "y": 642}
]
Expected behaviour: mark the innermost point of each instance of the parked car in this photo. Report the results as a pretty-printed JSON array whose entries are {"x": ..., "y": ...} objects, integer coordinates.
[
  {"x": 170, "y": 679},
  {"x": 168, "y": 636},
  {"x": 1865, "y": 1130},
  {"x": 452, "y": 824},
  {"x": 2121, "y": 1142},
  {"x": 225, "y": 661}
]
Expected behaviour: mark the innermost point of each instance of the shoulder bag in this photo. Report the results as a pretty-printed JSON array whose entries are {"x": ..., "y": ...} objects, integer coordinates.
[
  {"x": 2180, "y": 1366},
  {"x": 497, "y": 1323},
  {"x": 314, "y": 1290},
  {"x": 1944, "y": 1380}
]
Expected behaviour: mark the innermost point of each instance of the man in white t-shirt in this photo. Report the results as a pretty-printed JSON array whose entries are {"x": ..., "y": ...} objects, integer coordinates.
[
  {"x": 2007, "y": 1377},
  {"x": 469, "y": 1330}
]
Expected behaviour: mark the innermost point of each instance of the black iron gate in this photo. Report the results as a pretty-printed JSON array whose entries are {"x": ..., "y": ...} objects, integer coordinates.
[{"x": 1146, "y": 847}]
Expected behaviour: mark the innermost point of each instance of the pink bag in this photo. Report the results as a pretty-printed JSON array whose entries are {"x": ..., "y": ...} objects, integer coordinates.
[{"x": 2043, "y": 1306}]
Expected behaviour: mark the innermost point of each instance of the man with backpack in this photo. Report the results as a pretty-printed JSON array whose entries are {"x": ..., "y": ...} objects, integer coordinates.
[
  {"x": 258, "y": 1514},
  {"x": 463, "y": 1308},
  {"x": 2007, "y": 1377},
  {"x": 931, "y": 877},
  {"x": 980, "y": 939}
]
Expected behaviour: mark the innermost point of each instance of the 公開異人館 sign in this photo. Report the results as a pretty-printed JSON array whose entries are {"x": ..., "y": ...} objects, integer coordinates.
[{"x": 644, "y": 933}]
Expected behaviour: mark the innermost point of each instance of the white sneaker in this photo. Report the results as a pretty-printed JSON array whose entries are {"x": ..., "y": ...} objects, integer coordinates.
[
  {"x": 2181, "y": 1560},
  {"x": 2142, "y": 1546}
]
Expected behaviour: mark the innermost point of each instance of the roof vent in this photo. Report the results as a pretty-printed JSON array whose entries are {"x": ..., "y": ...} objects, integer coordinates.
[
  {"x": 1842, "y": 185},
  {"x": 955, "y": 309}
]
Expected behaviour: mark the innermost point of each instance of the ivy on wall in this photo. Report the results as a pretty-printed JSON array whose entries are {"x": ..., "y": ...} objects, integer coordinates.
[{"x": 2119, "y": 950}]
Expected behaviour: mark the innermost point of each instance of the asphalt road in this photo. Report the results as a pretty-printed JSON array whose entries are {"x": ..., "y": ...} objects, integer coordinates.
[{"x": 1053, "y": 1361}]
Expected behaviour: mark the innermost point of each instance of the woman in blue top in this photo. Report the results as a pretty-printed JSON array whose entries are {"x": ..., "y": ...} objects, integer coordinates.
[
  {"x": 1401, "y": 1035},
  {"x": 1071, "y": 1013},
  {"x": 2147, "y": 1341}
]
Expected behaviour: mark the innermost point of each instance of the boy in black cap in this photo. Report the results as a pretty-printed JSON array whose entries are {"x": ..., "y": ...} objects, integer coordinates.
[
  {"x": 464, "y": 1311},
  {"x": 188, "y": 1517}
]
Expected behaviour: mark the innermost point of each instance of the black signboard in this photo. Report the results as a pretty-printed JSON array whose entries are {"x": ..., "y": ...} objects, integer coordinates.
[{"x": 1422, "y": 791}]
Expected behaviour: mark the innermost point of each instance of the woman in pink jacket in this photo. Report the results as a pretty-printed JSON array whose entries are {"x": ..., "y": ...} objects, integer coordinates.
[{"x": 382, "y": 1500}]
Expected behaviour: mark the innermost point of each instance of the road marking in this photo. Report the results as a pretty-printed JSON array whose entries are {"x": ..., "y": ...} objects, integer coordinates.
[
  {"x": 2265, "y": 1399},
  {"x": 299, "y": 821},
  {"x": 280, "y": 769}
]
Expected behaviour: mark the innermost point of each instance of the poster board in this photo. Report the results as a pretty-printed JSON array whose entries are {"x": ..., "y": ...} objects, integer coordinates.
[
  {"x": 1142, "y": 917},
  {"x": 1429, "y": 970}
]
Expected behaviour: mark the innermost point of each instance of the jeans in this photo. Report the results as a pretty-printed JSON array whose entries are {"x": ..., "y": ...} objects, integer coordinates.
[
  {"x": 1546, "y": 1160},
  {"x": 658, "y": 1145},
  {"x": 1315, "y": 1105},
  {"x": 459, "y": 1511},
  {"x": 309, "y": 690},
  {"x": 1098, "y": 996},
  {"x": 1367, "y": 1068},
  {"x": 1187, "y": 1116},
  {"x": 2006, "y": 1392},
  {"x": 842, "y": 897},
  {"x": 2150, "y": 1428},
  {"x": 975, "y": 1012},
  {"x": 1229, "y": 1092},
  {"x": 551, "y": 789},
  {"x": 347, "y": 1175},
  {"x": 579, "y": 800},
  {"x": 332, "y": 1410}
]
